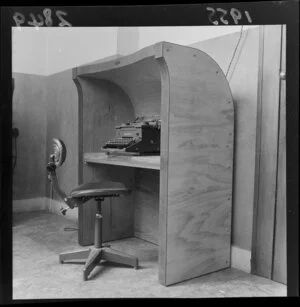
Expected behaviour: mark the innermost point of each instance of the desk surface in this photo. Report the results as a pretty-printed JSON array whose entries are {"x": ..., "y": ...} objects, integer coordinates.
[{"x": 148, "y": 162}]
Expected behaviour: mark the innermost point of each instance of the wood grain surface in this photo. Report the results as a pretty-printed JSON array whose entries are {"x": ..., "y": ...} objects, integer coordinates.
[
  {"x": 146, "y": 205},
  {"x": 123, "y": 61},
  {"x": 140, "y": 81},
  {"x": 141, "y": 87},
  {"x": 200, "y": 159},
  {"x": 103, "y": 105},
  {"x": 194, "y": 185},
  {"x": 148, "y": 162}
]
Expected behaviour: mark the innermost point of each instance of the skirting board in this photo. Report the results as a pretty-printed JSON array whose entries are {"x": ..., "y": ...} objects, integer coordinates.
[
  {"x": 43, "y": 203},
  {"x": 30, "y": 204},
  {"x": 55, "y": 206},
  {"x": 241, "y": 259}
]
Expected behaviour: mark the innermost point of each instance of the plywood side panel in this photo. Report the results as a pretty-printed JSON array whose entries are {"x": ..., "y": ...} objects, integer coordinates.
[
  {"x": 163, "y": 185},
  {"x": 280, "y": 249},
  {"x": 201, "y": 129},
  {"x": 104, "y": 105},
  {"x": 267, "y": 173}
]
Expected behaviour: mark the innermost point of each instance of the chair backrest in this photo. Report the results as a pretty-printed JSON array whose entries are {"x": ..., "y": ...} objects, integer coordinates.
[{"x": 59, "y": 152}]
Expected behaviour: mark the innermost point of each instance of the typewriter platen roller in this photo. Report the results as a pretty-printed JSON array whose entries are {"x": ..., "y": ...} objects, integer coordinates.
[{"x": 139, "y": 137}]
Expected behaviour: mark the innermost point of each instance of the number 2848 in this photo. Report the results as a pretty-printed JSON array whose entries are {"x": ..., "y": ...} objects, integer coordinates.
[{"x": 40, "y": 20}]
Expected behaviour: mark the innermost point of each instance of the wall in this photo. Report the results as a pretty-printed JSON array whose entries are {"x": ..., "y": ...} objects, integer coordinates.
[
  {"x": 28, "y": 50},
  {"x": 185, "y": 35},
  {"x": 45, "y": 51},
  {"x": 269, "y": 238},
  {"x": 69, "y": 47},
  {"x": 61, "y": 100},
  {"x": 29, "y": 116},
  {"x": 45, "y": 104},
  {"x": 128, "y": 40},
  {"x": 280, "y": 244},
  {"x": 243, "y": 83}
]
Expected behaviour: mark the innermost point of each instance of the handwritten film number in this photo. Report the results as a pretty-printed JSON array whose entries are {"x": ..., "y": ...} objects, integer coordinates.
[
  {"x": 20, "y": 19},
  {"x": 235, "y": 14}
]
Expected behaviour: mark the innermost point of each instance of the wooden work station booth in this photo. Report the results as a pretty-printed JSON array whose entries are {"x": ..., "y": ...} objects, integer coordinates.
[{"x": 180, "y": 205}]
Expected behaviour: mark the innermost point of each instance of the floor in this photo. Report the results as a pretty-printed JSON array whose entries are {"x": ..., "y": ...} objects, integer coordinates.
[{"x": 38, "y": 238}]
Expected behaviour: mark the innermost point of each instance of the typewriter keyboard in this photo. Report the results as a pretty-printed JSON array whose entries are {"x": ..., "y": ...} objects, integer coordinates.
[{"x": 118, "y": 142}]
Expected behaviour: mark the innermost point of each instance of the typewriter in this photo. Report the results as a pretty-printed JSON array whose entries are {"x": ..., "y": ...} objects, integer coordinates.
[{"x": 139, "y": 137}]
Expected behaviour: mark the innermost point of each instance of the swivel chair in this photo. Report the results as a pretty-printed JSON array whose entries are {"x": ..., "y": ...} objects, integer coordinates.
[{"x": 91, "y": 190}]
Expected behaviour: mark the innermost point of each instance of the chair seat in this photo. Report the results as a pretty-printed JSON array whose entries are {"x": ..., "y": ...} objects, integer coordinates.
[{"x": 103, "y": 188}]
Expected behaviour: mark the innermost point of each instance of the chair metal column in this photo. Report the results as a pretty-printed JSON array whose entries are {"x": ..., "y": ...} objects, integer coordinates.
[{"x": 98, "y": 224}]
